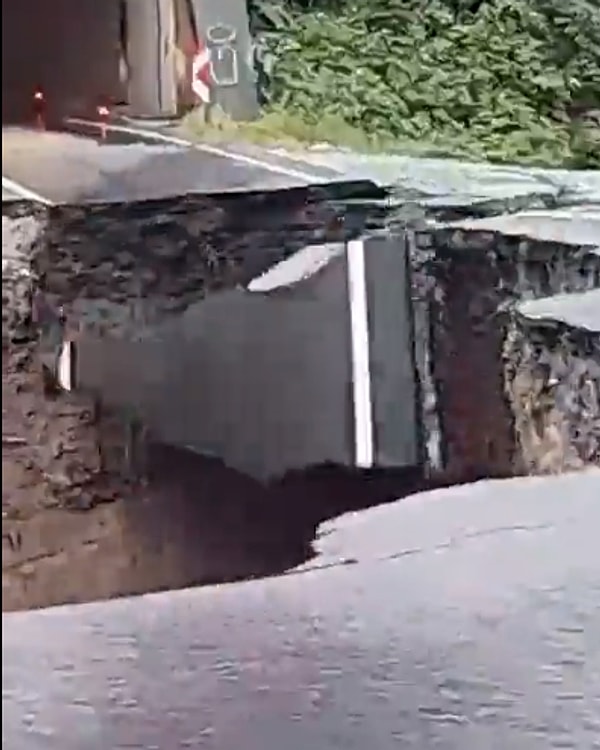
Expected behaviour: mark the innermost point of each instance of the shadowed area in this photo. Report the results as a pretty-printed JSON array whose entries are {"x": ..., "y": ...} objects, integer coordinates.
[
  {"x": 70, "y": 48},
  {"x": 232, "y": 527},
  {"x": 194, "y": 522}
]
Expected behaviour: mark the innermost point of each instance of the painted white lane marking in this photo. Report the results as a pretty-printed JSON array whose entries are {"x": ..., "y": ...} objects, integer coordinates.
[
  {"x": 65, "y": 366},
  {"x": 24, "y": 192},
  {"x": 251, "y": 161},
  {"x": 361, "y": 365}
]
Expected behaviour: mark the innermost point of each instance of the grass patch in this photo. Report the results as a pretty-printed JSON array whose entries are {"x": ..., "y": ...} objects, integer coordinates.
[
  {"x": 508, "y": 81},
  {"x": 277, "y": 127}
]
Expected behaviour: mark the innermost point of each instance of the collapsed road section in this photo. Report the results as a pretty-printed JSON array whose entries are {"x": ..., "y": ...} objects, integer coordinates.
[
  {"x": 281, "y": 318},
  {"x": 120, "y": 260},
  {"x": 108, "y": 271}
]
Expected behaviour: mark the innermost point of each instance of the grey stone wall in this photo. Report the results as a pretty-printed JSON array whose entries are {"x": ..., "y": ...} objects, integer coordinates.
[
  {"x": 466, "y": 286},
  {"x": 552, "y": 380},
  {"x": 23, "y": 227}
]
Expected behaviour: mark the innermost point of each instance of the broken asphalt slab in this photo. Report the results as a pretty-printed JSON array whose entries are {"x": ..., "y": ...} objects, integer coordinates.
[
  {"x": 486, "y": 637},
  {"x": 79, "y": 167}
]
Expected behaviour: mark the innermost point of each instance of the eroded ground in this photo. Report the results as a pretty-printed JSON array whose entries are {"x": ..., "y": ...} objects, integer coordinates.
[{"x": 195, "y": 522}]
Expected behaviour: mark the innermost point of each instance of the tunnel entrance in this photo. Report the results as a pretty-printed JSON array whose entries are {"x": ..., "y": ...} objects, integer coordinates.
[
  {"x": 69, "y": 48},
  {"x": 135, "y": 55},
  {"x": 82, "y": 54}
]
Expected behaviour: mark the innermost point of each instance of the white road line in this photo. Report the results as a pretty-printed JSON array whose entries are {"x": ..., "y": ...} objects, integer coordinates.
[
  {"x": 361, "y": 364},
  {"x": 66, "y": 368},
  {"x": 24, "y": 192},
  {"x": 207, "y": 148}
]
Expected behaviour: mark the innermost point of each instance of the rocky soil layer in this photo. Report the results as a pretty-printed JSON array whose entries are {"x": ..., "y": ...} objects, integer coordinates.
[
  {"x": 468, "y": 282},
  {"x": 552, "y": 357}
]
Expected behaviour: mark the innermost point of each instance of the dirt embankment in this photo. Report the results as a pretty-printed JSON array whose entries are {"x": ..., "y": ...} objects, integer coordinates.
[{"x": 69, "y": 535}]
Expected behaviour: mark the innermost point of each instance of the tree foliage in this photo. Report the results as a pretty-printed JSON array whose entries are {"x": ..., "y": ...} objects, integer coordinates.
[{"x": 508, "y": 80}]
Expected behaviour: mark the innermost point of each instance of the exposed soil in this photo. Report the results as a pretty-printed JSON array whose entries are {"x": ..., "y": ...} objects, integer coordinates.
[
  {"x": 193, "y": 522},
  {"x": 74, "y": 530}
]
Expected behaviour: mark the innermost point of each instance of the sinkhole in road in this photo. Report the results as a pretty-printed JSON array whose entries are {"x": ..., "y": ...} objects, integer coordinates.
[{"x": 195, "y": 522}]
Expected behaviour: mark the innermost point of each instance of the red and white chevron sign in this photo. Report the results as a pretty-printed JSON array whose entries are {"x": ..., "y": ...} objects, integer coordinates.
[{"x": 201, "y": 74}]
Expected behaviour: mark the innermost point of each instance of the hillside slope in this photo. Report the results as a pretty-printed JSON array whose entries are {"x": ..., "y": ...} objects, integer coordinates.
[{"x": 504, "y": 80}]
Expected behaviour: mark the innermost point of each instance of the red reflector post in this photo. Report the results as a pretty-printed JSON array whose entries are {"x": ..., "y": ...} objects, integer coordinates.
[
  {"x": 39, "y": 108},
  {"x": 103, "y": 113}
]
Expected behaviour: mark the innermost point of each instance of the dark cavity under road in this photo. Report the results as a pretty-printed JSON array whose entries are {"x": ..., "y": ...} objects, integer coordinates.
[{"x": 233, "y": 527}]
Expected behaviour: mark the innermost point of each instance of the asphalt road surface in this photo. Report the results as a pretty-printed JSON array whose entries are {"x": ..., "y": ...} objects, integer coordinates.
[
  {"x": 463, "y": 619},
  {"x": 74, "y": 164}
]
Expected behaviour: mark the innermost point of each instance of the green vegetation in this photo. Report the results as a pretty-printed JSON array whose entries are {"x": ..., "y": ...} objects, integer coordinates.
[{"x": 504, "y": 80}]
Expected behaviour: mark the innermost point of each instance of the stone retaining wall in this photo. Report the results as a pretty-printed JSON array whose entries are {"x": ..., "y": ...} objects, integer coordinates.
[
  {"x": 469, "y": 284},
  {"x": 552, "y": 380}
]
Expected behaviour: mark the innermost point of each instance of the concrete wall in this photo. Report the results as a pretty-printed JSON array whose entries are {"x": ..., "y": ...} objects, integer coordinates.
[
  {"x": 72, "y": 49},
  {"x": 151, "y": 55},
  {"x": 69, "y": 47}
]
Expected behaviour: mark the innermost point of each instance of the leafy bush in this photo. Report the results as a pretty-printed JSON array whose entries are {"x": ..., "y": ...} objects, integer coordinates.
[{"x": 506, "y": 80}]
